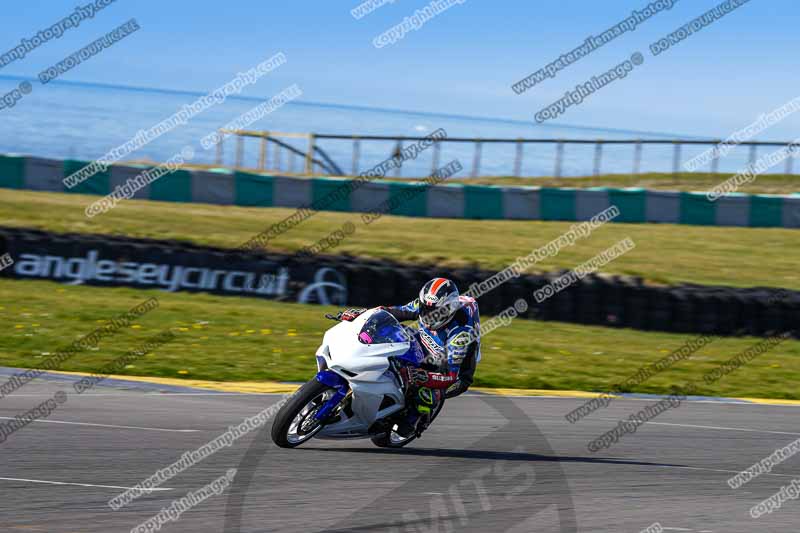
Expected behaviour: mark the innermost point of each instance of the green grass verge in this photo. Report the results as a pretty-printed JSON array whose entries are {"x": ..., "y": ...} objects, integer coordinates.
[
  {"x": 231, "y": 339},
  {"x": 667, "y": 254}
]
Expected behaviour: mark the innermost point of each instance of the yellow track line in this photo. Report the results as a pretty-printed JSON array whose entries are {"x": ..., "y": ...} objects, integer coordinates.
[{"x": 266, "y": 387}]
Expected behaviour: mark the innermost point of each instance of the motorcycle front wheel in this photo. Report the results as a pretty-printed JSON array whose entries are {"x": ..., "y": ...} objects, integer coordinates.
[{"x": 295, "y": 423}]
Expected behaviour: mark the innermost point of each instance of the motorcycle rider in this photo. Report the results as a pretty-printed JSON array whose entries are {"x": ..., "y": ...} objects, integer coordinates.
[{"x": 449, "y": 331}]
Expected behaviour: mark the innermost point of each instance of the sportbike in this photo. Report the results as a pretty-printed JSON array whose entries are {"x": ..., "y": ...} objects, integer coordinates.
[{"x": 359, "y": 391}]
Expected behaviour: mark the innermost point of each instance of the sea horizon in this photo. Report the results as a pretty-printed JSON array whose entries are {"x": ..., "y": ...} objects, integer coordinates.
[{"x": 94, "y": 118}]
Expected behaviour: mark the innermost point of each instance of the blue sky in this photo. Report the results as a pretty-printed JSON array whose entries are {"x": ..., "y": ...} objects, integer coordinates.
[{"x": 462, "y": 61}]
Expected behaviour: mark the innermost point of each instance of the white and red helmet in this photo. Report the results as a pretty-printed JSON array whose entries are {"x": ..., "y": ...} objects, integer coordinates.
[{"x": 438, "y": 303}]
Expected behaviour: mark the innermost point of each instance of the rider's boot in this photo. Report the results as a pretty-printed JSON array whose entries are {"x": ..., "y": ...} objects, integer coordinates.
[
  {"x": 427, "y": 400},
  {"x": 419, "y": 415}
]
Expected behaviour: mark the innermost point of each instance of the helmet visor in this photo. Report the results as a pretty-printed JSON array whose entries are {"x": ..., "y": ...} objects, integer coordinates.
[{"x": 434, "y": 316}]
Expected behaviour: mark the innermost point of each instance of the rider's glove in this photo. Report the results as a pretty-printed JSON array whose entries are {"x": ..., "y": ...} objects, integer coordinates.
[
  {"x": 456, "y": 389},
  {"x": 350, "y": 314}
]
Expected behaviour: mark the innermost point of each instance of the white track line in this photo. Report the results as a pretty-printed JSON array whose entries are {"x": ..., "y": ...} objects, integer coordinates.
[
  {"x": 722, "y": 471},
  {"x": 107, "y": 425},
  {"x": 713, "y": 427},
  {"x": 74, "y": 484},
  {"x": 722, "y": 401}
]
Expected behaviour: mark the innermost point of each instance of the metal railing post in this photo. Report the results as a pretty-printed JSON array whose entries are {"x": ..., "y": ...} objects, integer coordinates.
[
  {"x": 790, "y": 160},
  {"x": 277, "y": 157},
  {"x": 753, "y": 154},
  {"x": 266, "y": 149},
  {"x": 356, "y": 154},
  {"x": 715, "y": 160},
  {"x": 239, "y": 151},
  {"x": 598, "y": 157},
  {"x": 219, "y": 149},
  {"x": 518, "y": 159},
  {"x": 559, "y": 157},
  {"x": 262, "y": 154},
  {"x": 476, "y": 161},
  {"x": 637, "y": 157},
  {"x": 435, "y": 158},
  {"x": 676, "y": 159},
  {"x": 399, "y": 150},
  {"x": 309, "y": 166}
]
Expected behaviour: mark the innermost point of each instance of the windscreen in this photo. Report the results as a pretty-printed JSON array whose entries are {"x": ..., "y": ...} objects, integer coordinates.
[{"x": 382, "y": 328}]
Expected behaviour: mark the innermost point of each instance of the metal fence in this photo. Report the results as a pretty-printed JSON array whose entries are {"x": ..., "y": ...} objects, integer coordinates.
[{"x": 312, "y": 159}]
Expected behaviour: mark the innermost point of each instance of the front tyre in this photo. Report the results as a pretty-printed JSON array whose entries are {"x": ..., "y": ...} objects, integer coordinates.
[{"x": 295, "y": 423}]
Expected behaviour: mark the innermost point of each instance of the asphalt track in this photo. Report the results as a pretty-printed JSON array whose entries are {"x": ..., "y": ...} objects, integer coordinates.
[{"x": 488, "y": 464}]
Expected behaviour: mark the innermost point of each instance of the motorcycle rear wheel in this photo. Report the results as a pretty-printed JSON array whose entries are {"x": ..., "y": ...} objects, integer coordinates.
[{"x": 391, "y": 439}]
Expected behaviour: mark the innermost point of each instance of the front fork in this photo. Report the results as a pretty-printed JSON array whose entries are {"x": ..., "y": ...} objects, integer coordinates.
[{"x": 337, "y": 382}]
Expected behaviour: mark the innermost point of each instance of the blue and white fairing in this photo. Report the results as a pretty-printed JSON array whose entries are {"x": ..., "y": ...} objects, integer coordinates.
[{"x": 358, "y": 353}]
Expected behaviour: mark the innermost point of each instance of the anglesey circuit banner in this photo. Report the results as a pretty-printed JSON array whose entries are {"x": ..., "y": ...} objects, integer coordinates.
[{"x": 110, "y": 262}]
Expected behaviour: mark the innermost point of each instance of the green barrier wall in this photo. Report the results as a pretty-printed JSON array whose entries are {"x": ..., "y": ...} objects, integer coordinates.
[
  {"x": 12, "y": 172},
  {"x": 483, "y": 202},
  {"x": 696, "y": 209},
  {"x": 410, "y": 200},
  {"x": 99, "y": 184},
  {"x": 253, "y": 190},
  {"x": 175, "y": 187},
  {"x": 632, "y": 204},
  {"x": 557, "y": 204},
  {"x": 766, "y": 211},
  {"x": 328, "y": 194}
]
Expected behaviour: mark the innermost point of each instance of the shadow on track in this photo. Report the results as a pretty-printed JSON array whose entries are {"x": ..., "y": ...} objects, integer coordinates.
[{"x": 488, "y": 455}]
